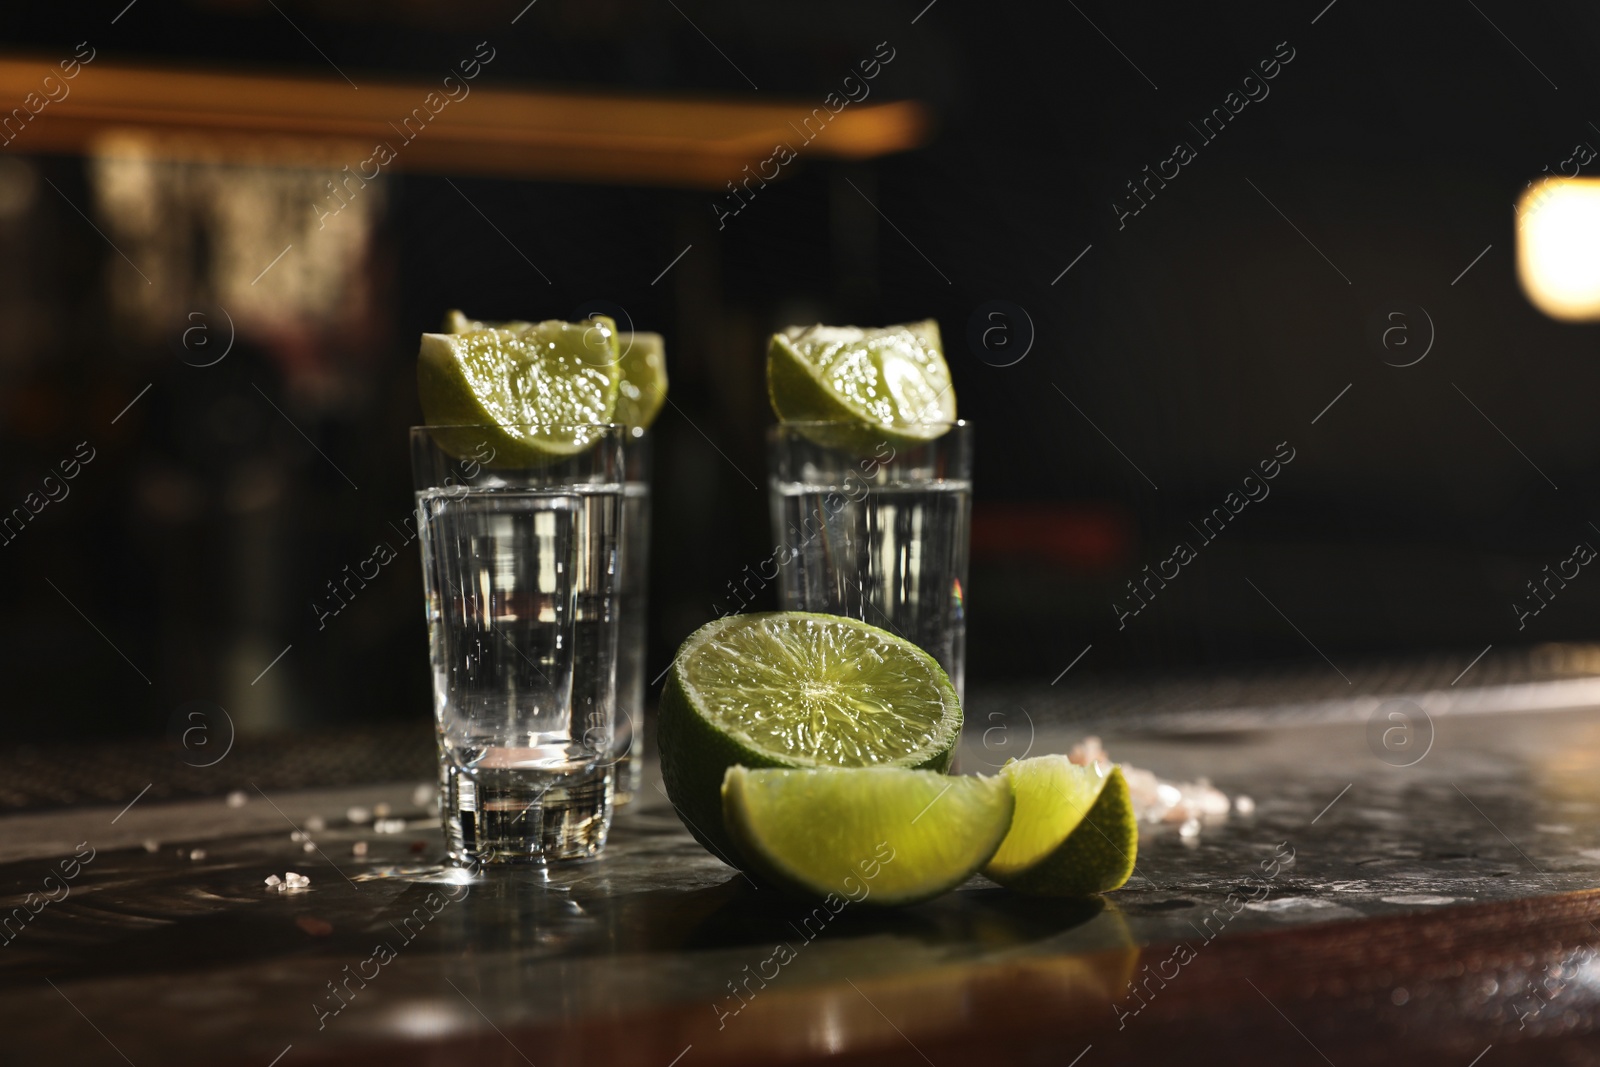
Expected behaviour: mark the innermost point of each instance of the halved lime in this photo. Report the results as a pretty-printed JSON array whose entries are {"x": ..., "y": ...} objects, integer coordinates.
[
  {"x": 1074, "y": 832},
  {"x": 641, "y": 356},
  {"x": 792, "y": 689},
  {"x": 870, "y": 835},
  {"x": 891, "y": 384},
  {"x": 527, "y": 384}
]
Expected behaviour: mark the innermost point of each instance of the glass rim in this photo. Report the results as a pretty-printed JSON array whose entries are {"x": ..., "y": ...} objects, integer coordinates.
[
  {"x": 605, "y": 426},
  {"x": 949, "y": 424}
]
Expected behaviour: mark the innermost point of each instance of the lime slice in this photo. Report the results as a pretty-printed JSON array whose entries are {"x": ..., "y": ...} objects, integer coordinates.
[
  {"x": 641, "y": 356},
  {"x": 1074, "y": 833},
  {"x": 891, "y": 383},
  {"x": 533, "y": 384},
  {"x": 791, "y": 689},
  {"x": 871, "y": 835},
  {"x": 644, "y": 379}
]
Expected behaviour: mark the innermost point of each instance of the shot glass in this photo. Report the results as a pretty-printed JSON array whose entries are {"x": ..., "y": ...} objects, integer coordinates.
[
  {"x": 520, "y": 578},
  {"x": 878, "y": 530},
  {"x": 633, "y": 582}
]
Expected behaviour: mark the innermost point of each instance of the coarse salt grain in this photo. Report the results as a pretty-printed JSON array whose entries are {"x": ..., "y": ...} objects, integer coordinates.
[
  {"x": 357, "y": 815},
  {"x": 422, "y": 795},
  {"x": 273, "y": 880},
  {"x": 309, "y": 846},
  {"x": 1244, "y": 805},
  {"x": 389, "y": 826},
  {"x": 238, "y": 798},
  {"x": 380, "y": 810},
  {"x": 197, "y": 853},
  {"x": 358, "y": 849},
  {"x": 315, "y": 824}
]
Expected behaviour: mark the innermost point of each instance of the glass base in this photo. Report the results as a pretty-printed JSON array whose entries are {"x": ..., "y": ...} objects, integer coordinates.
[{"x": 498, "y": 815}]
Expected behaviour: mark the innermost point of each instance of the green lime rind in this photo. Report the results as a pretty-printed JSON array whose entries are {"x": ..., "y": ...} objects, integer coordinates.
[
  {"x": 641, "y": 359},
  {"x": 1074, "y": 833},
  {"x": 876, "y": 836},
  {"x": 869, "y": 386},
  {"x": 531, "y": 393},
  {"x": 764, "y": 690}
]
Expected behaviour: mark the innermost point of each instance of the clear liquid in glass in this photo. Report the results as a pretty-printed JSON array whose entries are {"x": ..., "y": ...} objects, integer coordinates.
[
  {"x": 523, "y": 637},
  {"x": 893, "y": 555}
]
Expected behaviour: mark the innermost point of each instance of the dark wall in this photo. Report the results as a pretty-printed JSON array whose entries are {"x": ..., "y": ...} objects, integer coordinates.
[{"x": 1187, "y": 343}]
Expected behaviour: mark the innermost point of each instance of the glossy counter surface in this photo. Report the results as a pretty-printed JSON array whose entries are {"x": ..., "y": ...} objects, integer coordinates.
[{"x": 1428, "y": 913}]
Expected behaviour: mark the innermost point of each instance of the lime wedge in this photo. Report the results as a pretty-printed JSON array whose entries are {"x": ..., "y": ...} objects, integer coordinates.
[
  {"x": 544, "y": 375},
  {"x": 641, "y": 357},
  {"x": 1074, "y": 833},
  {"x": 644, "y": 379},
  {"x": 456, "y": 321},
  {"x": 791, "y": 689},
  {"x": 873, "y": 835},
  {"x": 891, "y": 383}
]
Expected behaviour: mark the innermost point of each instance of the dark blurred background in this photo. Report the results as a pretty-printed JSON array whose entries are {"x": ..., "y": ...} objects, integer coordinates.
[{"x": 1182, "y": 347}]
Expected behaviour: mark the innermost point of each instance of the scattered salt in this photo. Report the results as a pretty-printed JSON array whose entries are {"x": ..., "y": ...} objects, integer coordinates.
[
  {"x": 315, "y": 825},
  {"x": 1189, "y": 829},
  {"x": 1088, "y": 751},
  {"x": 273, "y": 880},
  {"x": 238, "y": 798},
  {"x": 380, "y": 810},
  {"x": 309, "y": 846},
  {"x": 197, "y": 853},
  {"x": 297, "y": 835},
  {"x": 357, "y": 815},
  {"x": 152, "y": 845},
  {"x": 291, "y": 880},
  {"x": 1244, "y": 805},
  {"x": 358, "y": 849},
  {"x": 1156, "y": 800},
  {"x": 422, "y": 795},
  {"x": 389, "y": 826}
]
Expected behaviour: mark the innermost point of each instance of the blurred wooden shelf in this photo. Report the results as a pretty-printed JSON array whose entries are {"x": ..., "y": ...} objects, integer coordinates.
[{"x": 571, "y": 136}]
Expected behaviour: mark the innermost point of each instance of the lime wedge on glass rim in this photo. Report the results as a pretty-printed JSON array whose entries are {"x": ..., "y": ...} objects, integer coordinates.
[
  {"x": 1074, "y": 832},
  {"x": 793, "y": 689},
  {"x": 641, "y": 358},
  {"x": 529, "y": 392},
  {"x": 870, "y": 835},
  {"x": 888, "y": 384},
  {"x": 644, "y": 379}
]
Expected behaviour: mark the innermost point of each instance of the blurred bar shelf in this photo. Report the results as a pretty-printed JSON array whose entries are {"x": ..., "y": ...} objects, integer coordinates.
[{"x": 683, "y": 142}]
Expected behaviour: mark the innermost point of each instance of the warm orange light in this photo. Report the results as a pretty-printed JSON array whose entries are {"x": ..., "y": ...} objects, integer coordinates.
[
  {"x": 643, "y": 140},
  {"x": 1558, "y": 247}
]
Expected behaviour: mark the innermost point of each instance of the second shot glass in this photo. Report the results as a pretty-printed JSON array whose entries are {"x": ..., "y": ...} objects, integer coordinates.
[{"x": 876, "y": 530}]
